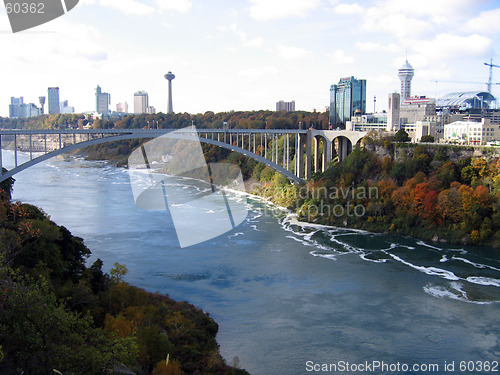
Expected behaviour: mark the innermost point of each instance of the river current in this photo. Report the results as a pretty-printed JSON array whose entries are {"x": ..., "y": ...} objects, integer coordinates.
[{"x": 291, "y": 297}]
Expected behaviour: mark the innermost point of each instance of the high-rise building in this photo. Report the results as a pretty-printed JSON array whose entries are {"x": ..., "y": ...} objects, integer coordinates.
[
  {"x": 151, "y": 110},
  {"x": 102, "y": 101},
  {"x": 347, "y": 98},
  {"x": 393, "y": 122},
  {"x": 29, "y": 110},
  {"x": 122, "y": 107},
  {"x": 65, "y": 108},
  {"x": 405, "y": 74},
  {"x": 285, "y": 106},
  {"x": 141, "y": 102},
  {"x": 53, "y": 100},
  {"x": 14, "y": 107}
]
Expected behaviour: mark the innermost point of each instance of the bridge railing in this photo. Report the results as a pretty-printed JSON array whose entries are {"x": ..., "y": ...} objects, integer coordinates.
[{"x": 290, "y": 149}]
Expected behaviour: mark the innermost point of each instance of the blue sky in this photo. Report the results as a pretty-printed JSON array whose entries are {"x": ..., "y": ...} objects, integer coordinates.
[{"x": 248, "y": 54}]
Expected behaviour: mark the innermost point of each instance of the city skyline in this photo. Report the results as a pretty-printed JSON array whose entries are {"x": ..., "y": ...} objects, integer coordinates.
[{"x": 245, "y": 55}]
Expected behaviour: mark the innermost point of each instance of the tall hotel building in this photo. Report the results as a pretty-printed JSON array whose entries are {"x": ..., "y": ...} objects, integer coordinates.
[
  {"x": 141, "y": 102},
  {"x": 102, "y": 101},
  {"x": 122, "y": 107},
  {"x": 285, "y": 106},
  {"x": 347, "y": 98},
  {"x": 14, "y": 107},
  {"x": 53, "y": 98}
]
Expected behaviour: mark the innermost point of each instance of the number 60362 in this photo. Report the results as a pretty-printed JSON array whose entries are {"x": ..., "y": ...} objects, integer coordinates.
[{"x": 25, "y": 8}]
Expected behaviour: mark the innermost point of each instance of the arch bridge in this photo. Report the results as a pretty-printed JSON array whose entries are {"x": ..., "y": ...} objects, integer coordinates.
[{"x": 287, "y": 151}]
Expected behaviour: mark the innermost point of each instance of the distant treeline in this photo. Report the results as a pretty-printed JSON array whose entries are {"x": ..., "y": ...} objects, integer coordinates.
[{"x": 234, "y": 120}]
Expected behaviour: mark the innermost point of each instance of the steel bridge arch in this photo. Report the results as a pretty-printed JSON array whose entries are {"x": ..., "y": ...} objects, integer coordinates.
[{"x": 139, "y": 135}]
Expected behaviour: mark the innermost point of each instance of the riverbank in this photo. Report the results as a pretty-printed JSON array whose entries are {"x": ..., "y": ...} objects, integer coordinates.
[
  {"x": 58, "y": 313},
  {"x": 423, "y": 195}
]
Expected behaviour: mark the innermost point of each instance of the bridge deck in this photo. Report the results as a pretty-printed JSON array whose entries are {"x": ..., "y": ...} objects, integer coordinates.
[{"x": 292, "y": 158}]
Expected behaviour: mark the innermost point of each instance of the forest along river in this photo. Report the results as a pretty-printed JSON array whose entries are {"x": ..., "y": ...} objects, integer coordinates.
[{"x": 290, "y": 297}]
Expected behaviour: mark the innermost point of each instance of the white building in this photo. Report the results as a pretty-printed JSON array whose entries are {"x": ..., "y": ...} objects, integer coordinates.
[
  {"x": 420, "y": 128},
  {"x": 65, "y": 108},
  {"x": 367, "y": 123},
  {"x": 122, "y": 107},
  {"x": 141, "y": 102},
  {"x": 472, "y": 133}
]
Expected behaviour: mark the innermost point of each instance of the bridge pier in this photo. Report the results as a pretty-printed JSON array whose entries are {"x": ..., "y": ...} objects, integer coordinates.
[
  {"x": 287, "y": 152},
  {"x": 327, "y": 153},
  {"x": 265, "y": 146},
  {"x": 343, "y": 148},
  {"x": 309, "y": 154},
  {"x": 276, "y": 147},
  {"x": 316, "y": 153},
  {"x": 1, "y": 156},
  {"x": 300, "y": 155},
  {"x": 305, "y": 160},
  {"x": 15, "y": 150},
  {"x": 272, "y": 149}
]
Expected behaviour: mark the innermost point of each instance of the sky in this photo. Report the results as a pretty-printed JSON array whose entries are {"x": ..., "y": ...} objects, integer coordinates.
[{"x": 249, "y": 54}]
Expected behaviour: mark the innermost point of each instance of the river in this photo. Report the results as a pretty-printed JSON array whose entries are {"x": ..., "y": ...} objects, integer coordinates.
[{"x": 290, "y": 297}]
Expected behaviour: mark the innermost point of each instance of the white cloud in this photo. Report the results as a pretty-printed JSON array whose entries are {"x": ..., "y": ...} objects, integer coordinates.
[
  {"x": 263, "y": 10},
  {"x": 432, "y": 8},
  {"x": 78, "y": 42},
  {"x": 417, "y": 19},
  {"x": 384, "y": 79},
  {"x": 448, "y": 46},
  {"x": 130, "y": 7},
  {"x": 397, "y": 24},
  {"x": 487, "y": 22},
  {"x": 255, "y": 42},
  {"x": 438, "y": 73},
  {"x": 138, "y": 8},
  {"x": 348, "y": 9},
  {"x": 60, "y": 53},
  {"x": 182, "y": 6},
  {"x": 340, "y": 57},
  {"x": 373, "y": 46},
  {"x": 292, "y": 53},
  {"x": 234, "y": 28}
]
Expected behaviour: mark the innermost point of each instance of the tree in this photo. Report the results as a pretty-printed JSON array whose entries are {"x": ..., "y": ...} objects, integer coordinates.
[
  {"x": 469, "y": 174},
  {"x": 38, "y": 334},
  {"x": 178, "y": 325},
  {"x": 118, "y": 272},
  {"x": 447, "y": 174},
  {"x": 427, "y": 139},
  {"x": 172, "y": 368},
  {"x": 450, "y": 205},
  {"x": 6, "y": 187},
  {"x": 402, "y": 136}
]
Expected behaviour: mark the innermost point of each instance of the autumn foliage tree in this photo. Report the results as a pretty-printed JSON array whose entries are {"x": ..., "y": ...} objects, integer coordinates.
[{"x": 424, "y": 195}]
